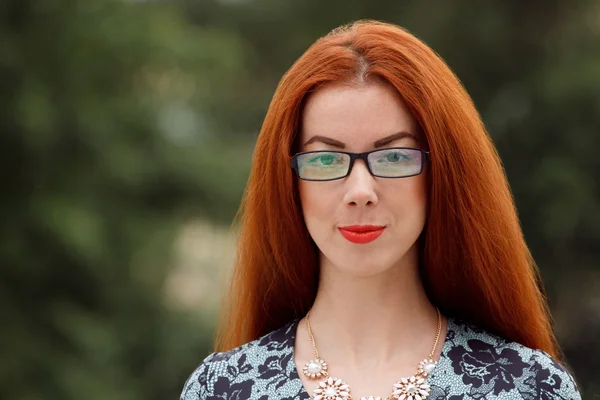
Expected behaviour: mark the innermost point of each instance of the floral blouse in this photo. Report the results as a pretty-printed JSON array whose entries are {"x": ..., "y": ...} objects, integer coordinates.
[{"x": 474, "y": 364}]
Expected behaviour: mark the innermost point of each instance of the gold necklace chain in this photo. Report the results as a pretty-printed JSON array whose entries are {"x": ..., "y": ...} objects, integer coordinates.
[{"x": 325, "y": 373}]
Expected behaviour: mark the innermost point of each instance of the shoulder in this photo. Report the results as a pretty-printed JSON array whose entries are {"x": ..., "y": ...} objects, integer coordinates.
[
  {"x": 484, "y": 361},
  {"x": 221, "y": 372}
]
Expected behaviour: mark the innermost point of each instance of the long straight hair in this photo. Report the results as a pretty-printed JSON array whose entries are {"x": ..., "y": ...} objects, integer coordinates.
[{"x": 474, "y": 262}]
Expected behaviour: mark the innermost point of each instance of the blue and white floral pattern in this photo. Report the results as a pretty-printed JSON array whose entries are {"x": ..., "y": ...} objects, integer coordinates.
[{"x": 474, "y": 364}]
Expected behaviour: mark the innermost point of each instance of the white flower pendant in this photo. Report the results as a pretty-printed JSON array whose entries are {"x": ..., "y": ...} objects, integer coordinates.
[
  {"x": 412, "y": 388},
  {"x": 315, "y": 369},
  {"x": 426, "y": 367},
  {"x": 332, "y": 389}
]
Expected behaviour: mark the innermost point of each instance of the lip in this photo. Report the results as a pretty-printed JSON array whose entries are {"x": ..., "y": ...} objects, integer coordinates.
[{"x": 361, "y": 234}]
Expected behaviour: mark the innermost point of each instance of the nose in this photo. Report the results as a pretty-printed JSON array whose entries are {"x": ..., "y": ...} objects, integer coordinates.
[{"x": 360, "y": 186}]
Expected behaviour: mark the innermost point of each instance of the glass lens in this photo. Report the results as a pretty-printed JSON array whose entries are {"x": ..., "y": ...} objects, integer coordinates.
[
  {"x": 322, "y": 165},
  {"x": 395, "y": 163}
]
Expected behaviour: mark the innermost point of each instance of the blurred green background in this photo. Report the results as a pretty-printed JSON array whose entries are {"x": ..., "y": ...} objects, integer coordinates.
[{"x": 127, "y": 128}]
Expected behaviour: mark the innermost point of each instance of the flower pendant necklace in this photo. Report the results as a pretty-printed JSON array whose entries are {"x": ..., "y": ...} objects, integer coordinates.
[{"x": 414, "y": 387}]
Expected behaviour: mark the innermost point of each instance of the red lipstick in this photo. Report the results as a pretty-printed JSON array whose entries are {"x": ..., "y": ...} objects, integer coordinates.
[{"x": 361, "y": 234}]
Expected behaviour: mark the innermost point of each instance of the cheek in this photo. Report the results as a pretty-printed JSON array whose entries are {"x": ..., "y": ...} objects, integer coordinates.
[
  {"x": 419, "y": 188},
  {"x": 320, "y": 203},
  {"x": 420, "y": 196},
  {"x": 409, "y": 198},
  {"x": 312, "y": 199}
]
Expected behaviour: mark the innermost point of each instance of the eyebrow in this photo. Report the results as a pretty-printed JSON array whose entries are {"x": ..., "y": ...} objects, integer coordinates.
[{"x": 378, "y": 143}]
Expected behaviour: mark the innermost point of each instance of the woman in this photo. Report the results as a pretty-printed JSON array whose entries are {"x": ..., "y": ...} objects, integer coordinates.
[{"x": 380, "y": 254}]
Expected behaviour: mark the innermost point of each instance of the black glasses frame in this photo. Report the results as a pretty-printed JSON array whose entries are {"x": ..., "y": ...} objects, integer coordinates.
[{"x": 425, "y": 158}]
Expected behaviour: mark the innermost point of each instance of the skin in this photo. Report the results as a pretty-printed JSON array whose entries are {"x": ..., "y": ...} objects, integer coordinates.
[{"x": 372, "y": 320}]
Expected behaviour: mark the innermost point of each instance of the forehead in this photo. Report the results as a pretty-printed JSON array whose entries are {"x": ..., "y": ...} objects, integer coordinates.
[{"x": 356, "y": 115}]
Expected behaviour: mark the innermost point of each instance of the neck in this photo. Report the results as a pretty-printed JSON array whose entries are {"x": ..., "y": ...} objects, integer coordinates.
[{"x": 374, "y": 319}]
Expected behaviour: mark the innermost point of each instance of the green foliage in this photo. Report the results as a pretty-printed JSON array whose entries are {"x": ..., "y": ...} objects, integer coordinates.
[
  {"x": 122, "y": 120},
  {"x": 99, "y": 177}
]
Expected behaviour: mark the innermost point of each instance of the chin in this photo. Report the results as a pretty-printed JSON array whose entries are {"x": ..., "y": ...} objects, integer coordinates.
[
  {"x": 362, "y": 272},
  {"x": 360, "y": 266}
]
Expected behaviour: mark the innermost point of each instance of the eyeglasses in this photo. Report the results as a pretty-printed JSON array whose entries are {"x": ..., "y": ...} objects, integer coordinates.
[{"x": 393, "y": 162}]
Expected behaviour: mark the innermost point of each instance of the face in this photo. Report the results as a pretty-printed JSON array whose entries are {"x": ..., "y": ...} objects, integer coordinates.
[{"x": 360, "y": 119}]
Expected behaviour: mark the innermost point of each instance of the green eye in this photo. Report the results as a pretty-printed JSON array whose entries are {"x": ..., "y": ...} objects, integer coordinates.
[
  {"x": 395, "y": 157},
  {"x": 392, "y": 157},
  {"x": 325, "y": 159}
]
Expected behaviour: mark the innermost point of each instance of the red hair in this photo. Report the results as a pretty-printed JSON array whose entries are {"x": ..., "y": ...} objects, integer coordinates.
[{"x": 474, "y": 261}]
